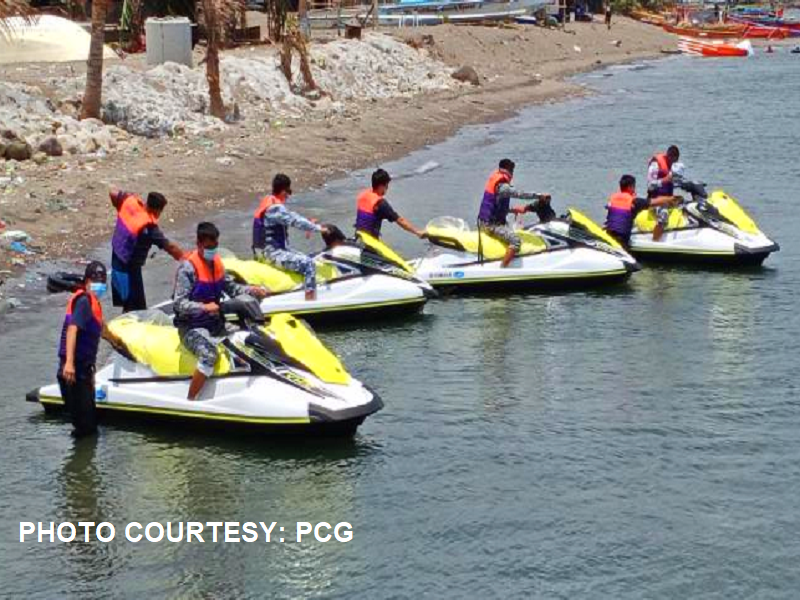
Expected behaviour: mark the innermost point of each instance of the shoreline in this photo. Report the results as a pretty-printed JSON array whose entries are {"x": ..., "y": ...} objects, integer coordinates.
[{"x": 312, "y": 151}]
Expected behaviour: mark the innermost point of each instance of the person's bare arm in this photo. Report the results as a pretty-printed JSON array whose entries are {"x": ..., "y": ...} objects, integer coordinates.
[
  {"x": 174, "y": 251},
  {"x": 116, "y": 196},
  {"x": 664, "y": 201},
  {"x": 69, "y": 363},
  {"x": 406, "y": 224}
]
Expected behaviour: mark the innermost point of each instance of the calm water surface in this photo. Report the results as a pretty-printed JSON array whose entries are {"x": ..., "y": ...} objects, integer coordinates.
[{"x": 640, "y": 442}]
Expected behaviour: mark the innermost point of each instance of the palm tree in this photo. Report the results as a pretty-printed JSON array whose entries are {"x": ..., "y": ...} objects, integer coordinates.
[
  {"x": 214, "y": 13},
  {"x": 93, "y": 94}
]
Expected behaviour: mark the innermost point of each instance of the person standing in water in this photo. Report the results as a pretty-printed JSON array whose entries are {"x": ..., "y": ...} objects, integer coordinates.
[
  {"x": 77, "y": 349},
  {"x": 135, "y": 233}
]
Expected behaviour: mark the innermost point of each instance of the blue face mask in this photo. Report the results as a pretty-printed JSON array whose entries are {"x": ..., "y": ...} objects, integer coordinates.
[
  {"x": 209, "y": 253},
  {"x": 98, "y": 289}
]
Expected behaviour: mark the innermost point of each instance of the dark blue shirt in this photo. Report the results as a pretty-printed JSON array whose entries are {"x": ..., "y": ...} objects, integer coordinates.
[{"x": 149, "y": 237}]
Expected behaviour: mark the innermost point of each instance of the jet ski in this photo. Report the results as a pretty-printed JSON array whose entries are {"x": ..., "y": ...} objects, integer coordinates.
[
  {"x": 272, "y": 377},
  {"x": 355, "y": 279},
  {"x": 706, "y": 230},
  {"x": 571, "y": 252}
]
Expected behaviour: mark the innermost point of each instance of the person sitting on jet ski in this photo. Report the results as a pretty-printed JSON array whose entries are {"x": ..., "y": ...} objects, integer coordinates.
[
  {"x": 372, "y": 209},
  {"x": 199, "y": 285},
  {"x": 660, "y": 183},
  {"x": 77, "y": 350},
  {"x": 495, "y": 207},
  {"x": 624, "y": 206},
  {"x": 270, "y": 234}
]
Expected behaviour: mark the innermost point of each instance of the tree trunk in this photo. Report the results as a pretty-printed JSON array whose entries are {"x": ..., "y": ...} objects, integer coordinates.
[
  {"x": 211, "y": 16},
  {"x": 93, "y": 95}
]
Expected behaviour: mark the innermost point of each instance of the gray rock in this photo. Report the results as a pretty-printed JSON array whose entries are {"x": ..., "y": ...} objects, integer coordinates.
[
  {"x": 19, "y": 150},
  {"x": 467, "y": 75},
  {"x": 39, "y": 158},
  {"x": 420, "y": 40},
  {"x": 51, "y": 146}
]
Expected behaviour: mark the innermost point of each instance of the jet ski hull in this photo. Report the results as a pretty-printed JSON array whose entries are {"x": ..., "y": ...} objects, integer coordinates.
[
  {"x": 701, "y": 246},
  {"x": 560, "y": 270},
  {"x": 357, "y": 298},
  {"x": 125, "y": 417},
  {"x": 127, "y": 392}
]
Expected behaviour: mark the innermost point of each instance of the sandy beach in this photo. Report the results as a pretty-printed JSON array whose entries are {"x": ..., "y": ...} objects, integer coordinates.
[{"x": 62, "y": 203}]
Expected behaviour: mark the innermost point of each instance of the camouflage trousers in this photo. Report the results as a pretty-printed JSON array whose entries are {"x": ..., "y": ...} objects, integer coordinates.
[
  {"x": 203, "y": 345},
  {"x": 291, "y": 260}
]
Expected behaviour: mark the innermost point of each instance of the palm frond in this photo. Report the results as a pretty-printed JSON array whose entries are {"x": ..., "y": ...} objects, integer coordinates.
[{"x": 14, "y": 8}]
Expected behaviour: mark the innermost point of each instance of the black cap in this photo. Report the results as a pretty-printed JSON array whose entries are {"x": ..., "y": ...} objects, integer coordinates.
[{"x": 96, "y": 271}]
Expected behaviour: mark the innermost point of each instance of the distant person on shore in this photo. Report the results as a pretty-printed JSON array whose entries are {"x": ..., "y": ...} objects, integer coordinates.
[
  {"x": 659, "y": 183},
  {"x": 135, "y": 233},
  {"x": 608, "y": 15},
  {"x": 372, "y": 208},
  {"x": 77, "y": 349},
  {"x": 624, "y": 206},
  {"x": 271, "y": 223},
  {"x": 199, "y": 285},
  {"x": 495, "y": 207}
]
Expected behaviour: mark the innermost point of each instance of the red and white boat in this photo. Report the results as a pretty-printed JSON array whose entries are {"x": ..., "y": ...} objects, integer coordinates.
[{"x": 714, "y": 48}]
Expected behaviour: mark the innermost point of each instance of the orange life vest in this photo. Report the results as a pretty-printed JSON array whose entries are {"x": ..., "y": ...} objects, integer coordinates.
[
  {"x": 273, "y": 235},
  {"x": 366, "y": 218},
  {"x": 493, "y": 211},
  {"x": 132, "y": 218}
]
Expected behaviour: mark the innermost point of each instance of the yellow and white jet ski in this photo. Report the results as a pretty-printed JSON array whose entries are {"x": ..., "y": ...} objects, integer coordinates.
[
  {"x": 568, "y": 253},
  {"x": 272, "y": 378},
  {"x": 354, "y": 280},
  {"x": 706, "y": 230}
]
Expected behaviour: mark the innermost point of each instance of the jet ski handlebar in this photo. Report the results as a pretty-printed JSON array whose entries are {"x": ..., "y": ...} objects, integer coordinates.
[
  {"x": 543, "y": 210},
  {"x": 696, "y": 188},
  {"x": 243, "y": 309}
]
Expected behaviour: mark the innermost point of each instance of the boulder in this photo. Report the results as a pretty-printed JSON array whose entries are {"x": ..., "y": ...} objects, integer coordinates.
[
  {"x": 51, "y": 146},
  {"x": 68, "y": 143},
  {"x": 39, "y": 158},
  {"x": 18, "y": 150},
  {"x": 420, "y": 40},
  {"x": 467, "y": 75}
]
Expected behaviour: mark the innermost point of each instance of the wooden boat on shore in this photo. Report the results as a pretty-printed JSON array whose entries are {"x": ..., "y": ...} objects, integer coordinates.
[
  {"x": 733, "y": 31},
  {"x": 714, "y": 48},
  {"x": 747, "y": 32}
]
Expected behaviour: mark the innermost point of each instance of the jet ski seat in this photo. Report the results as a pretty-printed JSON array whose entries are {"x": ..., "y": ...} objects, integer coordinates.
[
  {"x": 492, "y": 248},
  {"x": 254, "y": 272},
  {"x": 149, "y": 338},
  {"x": 646, "y": 220}
]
